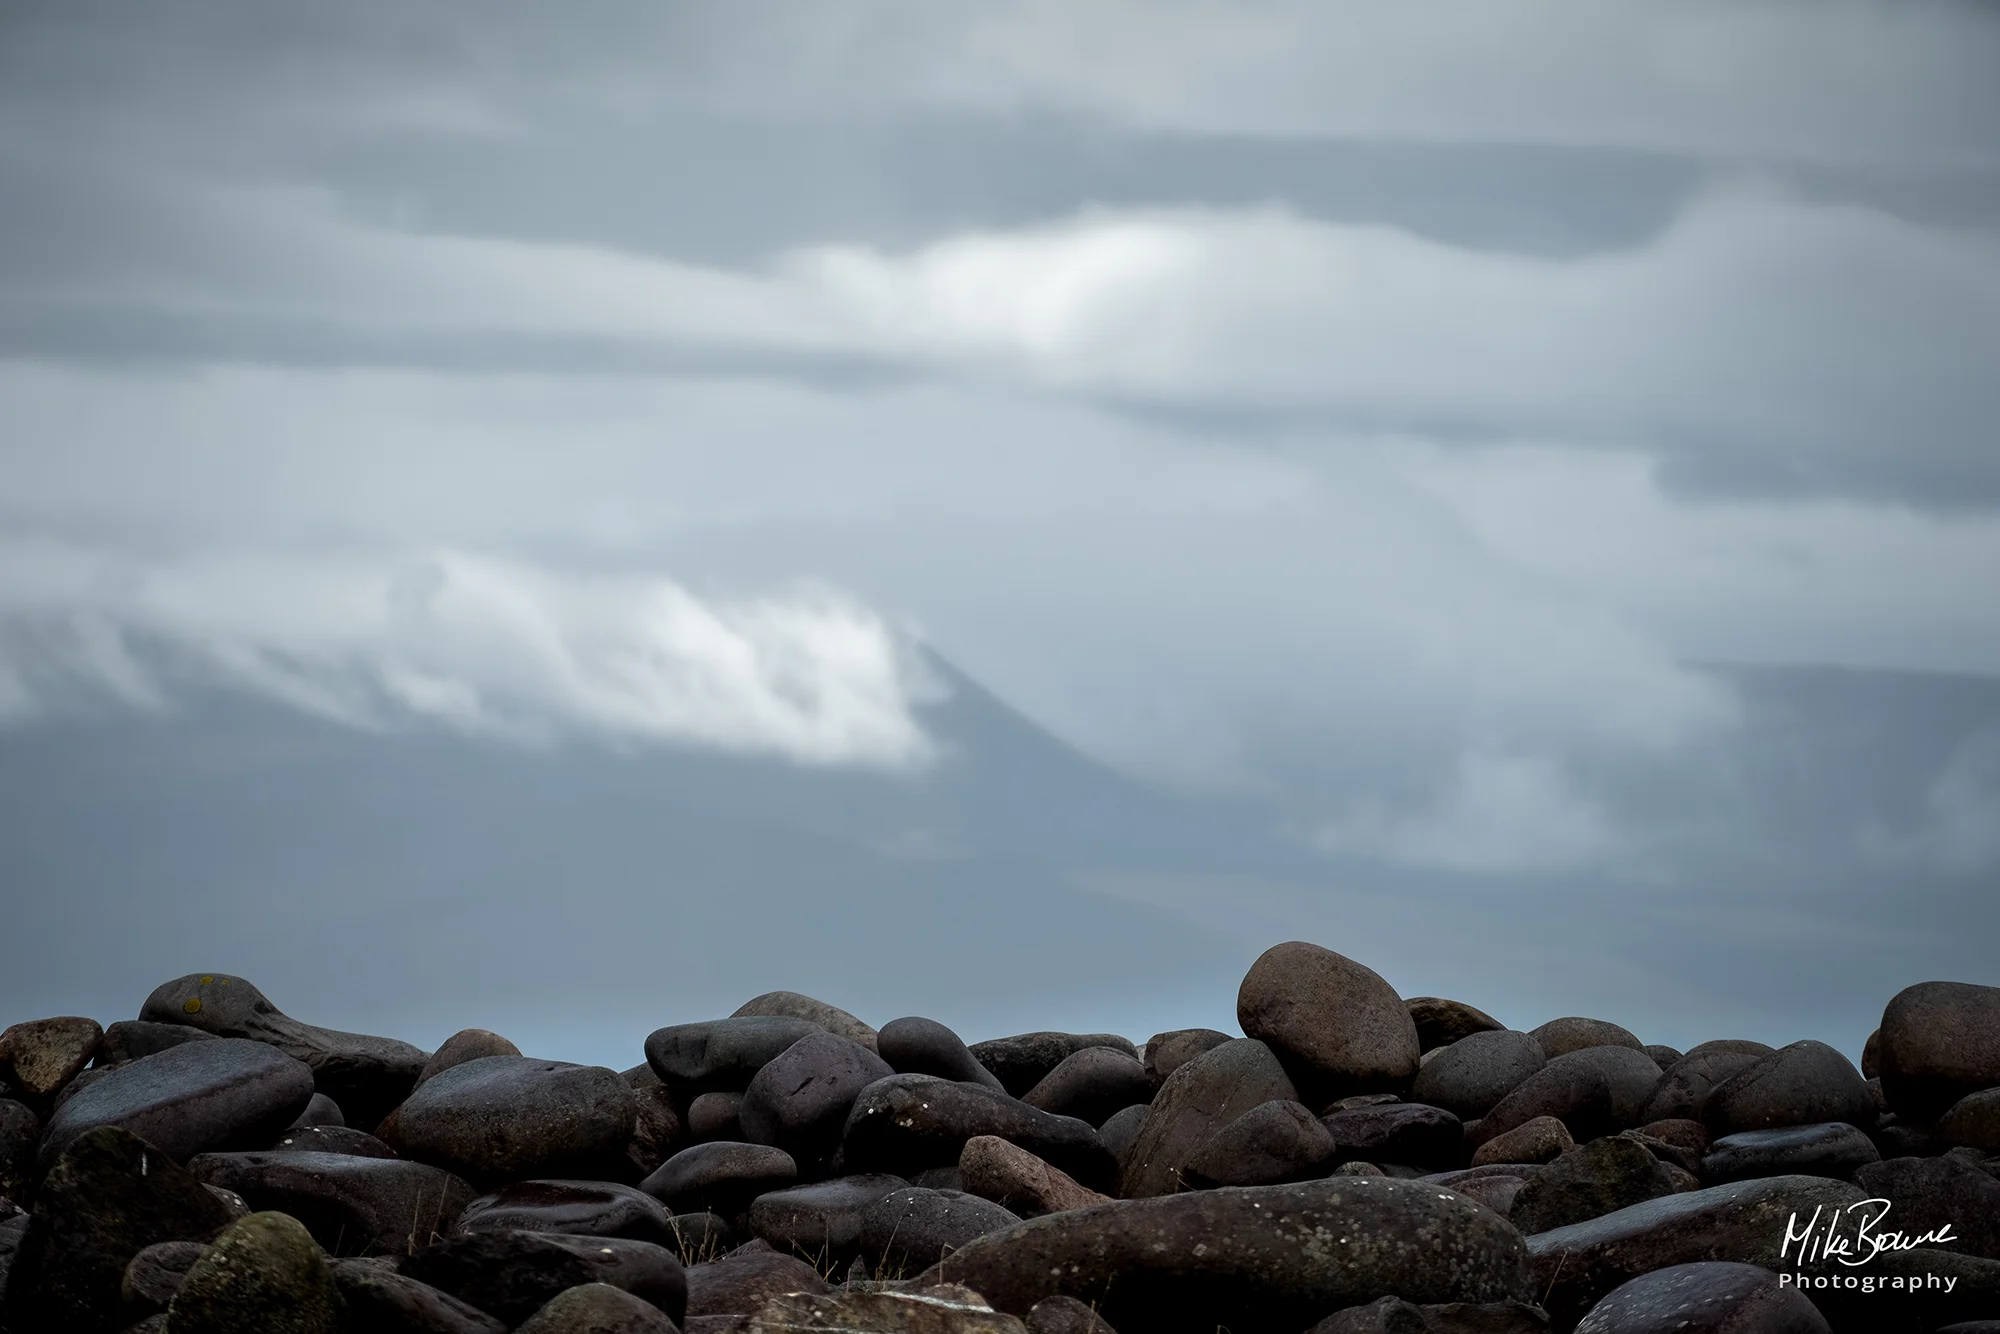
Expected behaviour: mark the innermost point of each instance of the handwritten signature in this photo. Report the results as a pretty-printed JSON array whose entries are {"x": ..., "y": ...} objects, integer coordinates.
[{"x": 1866, "y": 1240}]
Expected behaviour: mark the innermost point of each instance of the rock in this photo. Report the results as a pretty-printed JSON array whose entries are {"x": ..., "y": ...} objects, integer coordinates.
[
  {"x": 1538, "y": 1141},
  {"x": 1012, "y": 1177},
  {"x": 1497, "y": 1192},
  {"x": 907, "y": 1122},
  {"x": 234, "y": 1205},
  {"x": 320, "y": 1111},
  {"x": 366, "y": 1075},
  {"x": 1925, "y": 1194},
  {"x": 723, "y": 1177},
  {"x": 1335, "y": 1024},
  {"x": 791, "y": 1005},
  {"x": 1596, "y": 1091},
  {"x": 715, "y": 1116},
  {"x": 1121, "y": 1131},
  {"x": 42, "y": 1055},
  {"x": 1261, "y": 1257},
  {"x": 381, "y": 1301},
  {"x": 721, "y": 1055},
  {"x": 501, "y": 1118},
  {"x": 1270, "y": 1144},
  {"x": 911, "y": 1229},
  {"x": 1731, "y": 1047},
  {"x": 468, "y": 1044},
  {"x": 1706, "y": 1297},
  {"x": 156, "y": 1274},
  {"x": 939, "y": 1309},
  {"x": 1939, "y": 1042},
  {"x": 1973, "y": 1122},
  {"x": 598, "y": 1308},
  {"x": 74, "y": 1087},
  {"x": 1802, "y": 1084},
  {"x": 699, "y": 1237},
  {"x": 1684, "y": 1089},
  {"x": 1065, "y": 1315},
  {"x": 1198, "y": 1099},
  {"x": 1559, "y": 1037},
  {"x": 1663, "y": 1055},
  {"x": 333, "y": 1139},
  {"x": 1169, "y": 1051},
  {"x": 1405, "y": 1132},
  {"x": 800, "y": 1100},
  {"x": 657, "y": 1130},
  {"x": 350, "y": 1204},
  {"x": 107, "y": 1197},
  {"x": 1022, "y": 1061},
  {"x": 191, "y": 1099},
  {"x": 1092, "y": 1085},
  {"x": 820, "y": 1223},
  {"x": 511, "y": 1275},
  {"x": 1442, "y": 1022},
  {"x": 1578, "y": 1265},
  {"x": 1393, "y": 1315},
  {"x": 1871, "y": 1056},
  {"x": 917, "y": 1046},
  {"x": 1589, "y": 1181},
  {"x": 743, "y": 1281},
  {"x": 1471, "y": 1075},
  {"x": 579, "y": 1208},
  {"x": 1687, "y": 1137},
  {"x": 1830, "y": 1149},
  {"x": 264, "y": 1273},
  {"x": 20, "y": 1135},
  {"x": 129, "y": 1039}
]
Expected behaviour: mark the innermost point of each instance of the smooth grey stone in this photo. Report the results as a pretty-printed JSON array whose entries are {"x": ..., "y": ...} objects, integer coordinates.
[{"x": 191, "y": 1099}]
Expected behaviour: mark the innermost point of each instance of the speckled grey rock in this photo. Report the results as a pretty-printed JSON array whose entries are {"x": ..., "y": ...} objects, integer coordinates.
[
  {"x": 1022, "y": 1061},
  {"x": 1707, "y": 1297},
  {"x": 264, "y": 1273},
  {"x": 742, "y": 1281},
  {"x": 800, "y": 1100},
  {"x": 1574, "y": 1032},
  {"x": 1471, "y": 1075},
  {"x": 909, "y": 1122},
  {"x": 1198, "y": 1099},
  {"x": 1829, "y": 1149},
  {"x": 579, "y": 1208},
  {"x": 1939, "y": 1042},
  {"x": 1805, "y": 1083},
  {"x": 597, "y": 1308},
  {"x": 191, "y": 1099},
  {"x": 911, "y": 1229},
  {"x": 1335, "y": 1024},
  {"x": 502, "y": 1118},
  {"x": 720, "y": 1055},
  {"x": 919, "y": 1046},
  {"x": 1093, "y": 1084}
]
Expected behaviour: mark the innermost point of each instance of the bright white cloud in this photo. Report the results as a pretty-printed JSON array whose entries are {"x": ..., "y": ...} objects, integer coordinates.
[{"x": 487, "y": 646}]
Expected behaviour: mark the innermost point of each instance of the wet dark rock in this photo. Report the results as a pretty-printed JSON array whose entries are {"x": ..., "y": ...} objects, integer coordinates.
[
  {"x": 918, "y": 1046},
  {"x": 722, "y": 1177},
  {"x": 908, "y": 1122},
  {"x": 1022, "y": 1061},
  {"x": 1939, "y": 1042},
  {"x": 1169, "y": 1051},
  {"x": 1596, "y": 1091},
  {"x": 350, "y": 1204},
  {"x": 366, "y": 1075},
  {"x": 579, "y": 1208},
  {"x": 936, "y": 1309},
  {"x": 721, "y": 1055},
  {"x": 1589, "y": 1181},
  {"x": 264, "y": 1273},
  {"x": 156, "y": 1274},
  {"x": 468, "y": 1044},
  {"x": 1973, "y": 1122},
  {"x": 1335, "y": 1024},
  {"x": 800, "y": 1100},
  {"x": 656, "y": 1130},
  {"x": 911, "y": 1229},
  {"x": 38, "y": 1057},
  {"x": 511, "y": 1275},
  {"x": 1538, "y": 1141},
  {"x": 1803, "y": 1084},
  {"x": 1121, "y": 1130},
  {"x": 1065, "y": 1315},
  {"x": 502, "y": 1118},
  {"x": 792, "y": 1005},
  {"x": 1684, "y": 1089},
  {"x": 320, "y": 1111},
  {"x": 743, "y": 1281},
  {"x": 715, "y": 1116},
  {"x": 1012, "y": 1177},
  {"x": 1441, "y": 1022},
  {"x": 129, "y": 1039},
  {"x": 20, "y": 1135},
  {"x": 1663, "y": 1055},
  {"x": 1926, "y": 1194},
  {"x": 1264, "y": 1257},
  {"x": 1270, "y": 1144},
  {"x": 1198, "y": 1099},
  {"x": 820, "y": 1223},
  {"x": 1871, "y": 1056},
  {"x": 1829, "y": 1149},
  {"x": 1393, "y": 1315},
  {"x": 598, "y": 1308},
  {"x": 191, "y": 1099},
  {"x": 1471, "y": 1075},
  {"x": 1559, "y": 1037},
  {"x": 1412, "y": 1133},
  {"x": 1497, "y": 1192},
  {"x": 1731, "y": 1047},
  {"x": 382, "y": 1301},
  {"x": 1093, "y": 1084},
  {"x": 1707, "y": 1297},
  {"x": 333, "y": 1139},
  {"x": 702, "y": 1236}
]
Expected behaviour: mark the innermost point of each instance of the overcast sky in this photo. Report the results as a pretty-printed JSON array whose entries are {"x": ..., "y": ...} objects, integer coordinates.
[{"x": 1388, "y": 413}]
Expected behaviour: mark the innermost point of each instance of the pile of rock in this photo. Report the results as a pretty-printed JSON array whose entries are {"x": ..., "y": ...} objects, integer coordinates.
[{"x": 1356, "y": 1162}]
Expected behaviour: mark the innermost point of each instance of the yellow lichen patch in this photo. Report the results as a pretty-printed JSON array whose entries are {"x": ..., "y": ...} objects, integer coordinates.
[
  {"x": 206, "y": 980},
  {"x": 193, "y": 1005}
]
